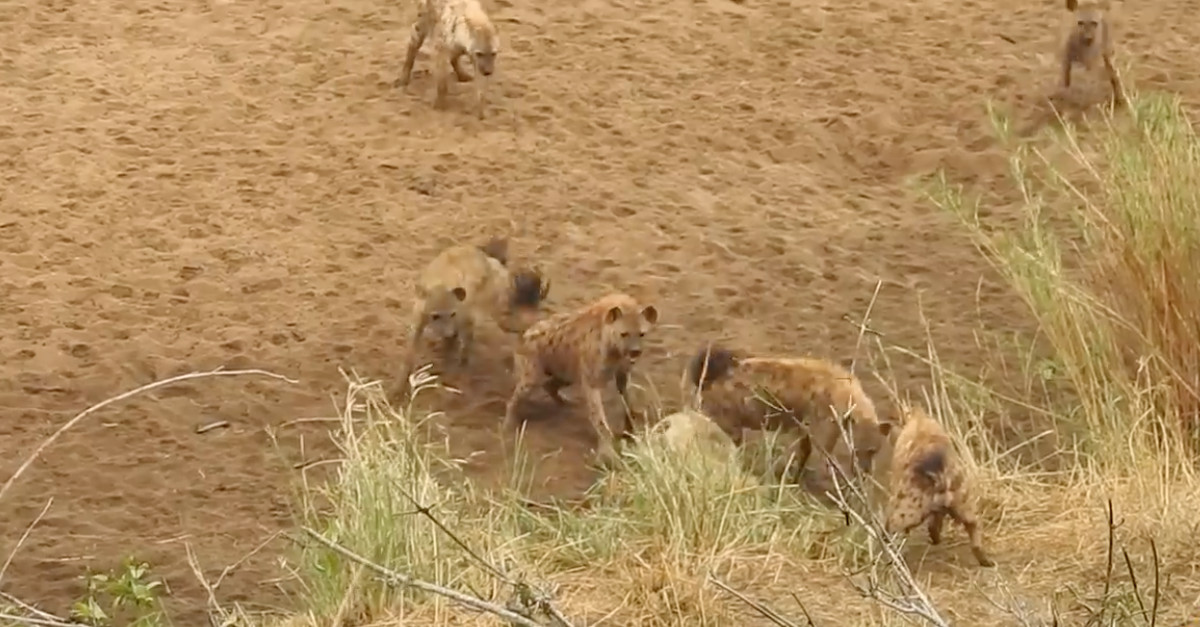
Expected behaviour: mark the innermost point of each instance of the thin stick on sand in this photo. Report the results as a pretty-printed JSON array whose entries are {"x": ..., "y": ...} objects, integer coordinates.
[
  {"x": 24, "y": 537},
  {"x": 120, "y": 397}
]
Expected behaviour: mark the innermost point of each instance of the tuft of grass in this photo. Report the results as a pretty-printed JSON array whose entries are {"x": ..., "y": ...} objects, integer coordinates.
[
  {"x": 655, "y": 528},
  {"x": 389, "y": 469}
]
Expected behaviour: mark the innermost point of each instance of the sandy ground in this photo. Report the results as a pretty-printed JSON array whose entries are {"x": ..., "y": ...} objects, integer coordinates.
[{"x": 190, "y": 184}]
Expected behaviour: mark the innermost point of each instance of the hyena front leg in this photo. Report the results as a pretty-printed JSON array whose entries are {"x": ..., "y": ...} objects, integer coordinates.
[
  {"x": 1114, "y": 81},
  {"x": 553, "y": 386},
  {"x": 416, "y": 37},
  {"x": 480, "y": 103},
  {"x": 606, "y": 453},
  {"x": 466, "y": 340},
  {"x": 525, "y": 371},
  {"x": 460, "y": 70},
  {"x": 622, "y": 380},
  {"x": 441, "y": 76},
  {"x": 414, "y": 339}
]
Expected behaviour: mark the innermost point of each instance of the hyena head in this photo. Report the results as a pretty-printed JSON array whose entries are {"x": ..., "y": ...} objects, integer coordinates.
[
  {"x": 1089, "y": 20},
  {"x": 485, "y": 45},
  {"x": 624, "y": 330},
  {"x": 869, "y": 439},
  {"x": 444, "y": 310},
  {"x": 527, "y": 293}
]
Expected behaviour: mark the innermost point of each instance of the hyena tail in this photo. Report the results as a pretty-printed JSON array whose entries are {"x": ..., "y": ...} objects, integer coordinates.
[
  {"x": 932, "y": 470},
  {"x": 710, "y": 363}
]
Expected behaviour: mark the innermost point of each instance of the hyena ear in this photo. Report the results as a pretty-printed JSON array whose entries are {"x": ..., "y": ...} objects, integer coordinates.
[
  {"x": 1072, "y": 5},
  {"x": 612, "y": 315},
  {"x": 650, "y": 313},
  {"x": 496, "y": 248},
  {"x": 459, "y": 293}
]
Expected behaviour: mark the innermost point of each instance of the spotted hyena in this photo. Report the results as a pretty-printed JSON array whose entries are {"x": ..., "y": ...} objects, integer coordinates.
[
  {"x": 460, "y": 28},
  {"x": 461, "y": 286},
  {"x": 927, "y": 483},
  {"x": 803, "y": 396},
  {"x": 1090, "y": 41},
  {"x": 589, "y": 347}
]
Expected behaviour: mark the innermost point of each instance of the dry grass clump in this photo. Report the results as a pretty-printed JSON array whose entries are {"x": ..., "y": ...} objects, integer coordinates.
[
  {"x": 1108, "y": 260},
  {"x": 655, "y": 530}
]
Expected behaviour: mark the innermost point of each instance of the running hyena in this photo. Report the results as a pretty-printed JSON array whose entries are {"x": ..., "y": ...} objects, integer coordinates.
[
  {"x": 459, "y": 28},
  {"x": 1091, "y": 41}
]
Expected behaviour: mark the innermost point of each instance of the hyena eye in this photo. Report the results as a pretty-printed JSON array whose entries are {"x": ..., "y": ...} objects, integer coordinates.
[{"x": 624, "y": 334}]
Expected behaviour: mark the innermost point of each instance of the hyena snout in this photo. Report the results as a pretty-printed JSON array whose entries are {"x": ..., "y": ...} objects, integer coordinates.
[
  {"x": 485, "y": 62},
  {"x": 442, "y": 327},
  {"x": 633, "y": 347}
]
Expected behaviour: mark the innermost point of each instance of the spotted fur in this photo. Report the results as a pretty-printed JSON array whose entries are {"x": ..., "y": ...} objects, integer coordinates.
[
  {"x": 1090, "y": 41},
  {"x": 465, "y": 284},
  {"x": 804, "y": 396},
  {"x": 927, "y": 483},
  {"x": 588, "y": 347},
  {"x": 459, "y": 28}
]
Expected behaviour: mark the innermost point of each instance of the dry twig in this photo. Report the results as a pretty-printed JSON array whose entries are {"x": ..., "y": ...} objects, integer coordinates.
[
  {"x": 530, "y": 598},
  {"x": 761, "y": 608},
  {"x": 40, "y": 622},
  {"x": 404, "y": 580},
  {"x": 46, "y": 617},
  {"x": 911, "y": 599}
]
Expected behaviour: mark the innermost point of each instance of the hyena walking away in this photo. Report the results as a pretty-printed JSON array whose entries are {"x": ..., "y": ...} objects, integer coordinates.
[
  {"x": 1091, "y": 41},
  {"x": 463, "y": 285},
  {"x": 928, "y": 483},
  {"x": 588, "y": 347},
  {"x": 809, "y": 397},
  {"x": 459, "y": 28}
]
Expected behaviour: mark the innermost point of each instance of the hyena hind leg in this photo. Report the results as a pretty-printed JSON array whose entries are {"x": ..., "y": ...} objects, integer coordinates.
[
  {"x": 416, "y": 38},
  {"x": 971, "y": 525},
  {"x": 936, "y": 520}
]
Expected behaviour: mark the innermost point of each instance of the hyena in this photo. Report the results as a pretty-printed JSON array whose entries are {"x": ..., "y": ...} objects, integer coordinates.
[
  {"x": 1089, "y": 41},
  {"x": 809, "y": 397},
  {"x": 459, "y": 28},
  {"x": 465, "y": 283},
  {"x": 588, "y": 347},
  {"x": 928, "y": 483}
]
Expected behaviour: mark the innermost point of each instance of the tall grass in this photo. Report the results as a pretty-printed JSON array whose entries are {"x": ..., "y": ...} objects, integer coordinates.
[{"x": 1107, "y": 256}]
